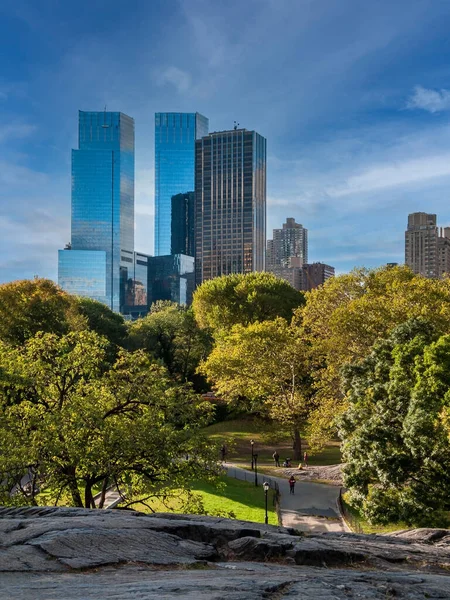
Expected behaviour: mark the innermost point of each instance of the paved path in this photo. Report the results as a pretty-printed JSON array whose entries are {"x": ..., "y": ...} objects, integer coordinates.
[{"x": 313, "y": 506}]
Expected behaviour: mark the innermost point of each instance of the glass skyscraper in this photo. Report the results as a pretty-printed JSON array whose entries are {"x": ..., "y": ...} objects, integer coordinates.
[
  {"x": 230, "y": 204},
  {"x": 101, "y": 252},
  {"x": 182, "y": 241},
  {"x": 175, "y": 136}
]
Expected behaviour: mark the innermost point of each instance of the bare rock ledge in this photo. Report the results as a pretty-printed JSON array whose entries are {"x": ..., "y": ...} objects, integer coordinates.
[{"x": 78, "y": 554}]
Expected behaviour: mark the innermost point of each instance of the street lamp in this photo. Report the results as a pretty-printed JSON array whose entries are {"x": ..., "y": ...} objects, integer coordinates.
[
  {"x": 266, "y": 489},
  {"x": 252, "y": 443},
  {"x": 255, "y": 460}
]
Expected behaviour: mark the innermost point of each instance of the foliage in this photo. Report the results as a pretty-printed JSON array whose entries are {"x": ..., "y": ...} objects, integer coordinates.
[
  {"x": 346, "y": 316},
  {"x": 394, "y": 443},
  {"x": 264, "y": 366},
  {"x": 171, "y": 334},
  {"x": 29, "y": 306},
  {"x": 103, "y": 320},
  {"x": 243, "y": 299},
  {"x": 71, "y": 426}
]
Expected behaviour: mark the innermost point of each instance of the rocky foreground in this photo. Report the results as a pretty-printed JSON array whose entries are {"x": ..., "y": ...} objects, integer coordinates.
[{"x": 63, "y": 553}]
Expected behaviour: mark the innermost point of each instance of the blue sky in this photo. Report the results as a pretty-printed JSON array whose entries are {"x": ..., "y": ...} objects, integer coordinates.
[{"x": 353, "y": 97}]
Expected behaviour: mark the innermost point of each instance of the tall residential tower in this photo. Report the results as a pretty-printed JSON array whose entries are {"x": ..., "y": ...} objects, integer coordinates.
[
  {"x": 230, "y": 204},
  {"x": 96, "y": 262},
  {"x": 175, "y": 136},
  {"x": 421, "y": 244}
]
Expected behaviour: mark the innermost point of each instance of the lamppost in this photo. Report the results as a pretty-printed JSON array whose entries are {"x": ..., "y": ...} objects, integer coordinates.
[
  {"x": 266, "y": 489},
  {"x": 255, "y": 460},
  {"x": 252, "y": 443}
]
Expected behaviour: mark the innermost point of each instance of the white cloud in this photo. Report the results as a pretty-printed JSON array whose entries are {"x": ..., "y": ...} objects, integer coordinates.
[
  {"x": 404, "y": 173},
  {"x": 430, "y": 100},
  {"x": 180, "y": 79},
  {"x": 15, "y": 130}
]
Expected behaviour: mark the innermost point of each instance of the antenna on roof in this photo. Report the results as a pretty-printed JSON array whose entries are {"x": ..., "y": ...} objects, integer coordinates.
[{"x": 104, "y": 118}]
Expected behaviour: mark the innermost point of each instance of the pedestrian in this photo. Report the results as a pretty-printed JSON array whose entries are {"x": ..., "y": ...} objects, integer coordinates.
[
  {"x": 292, "y": 484},
  {"x": 276, "y": 458},
  {"x": 223, "y": 451},
  {"x": 305, "y": 459}
]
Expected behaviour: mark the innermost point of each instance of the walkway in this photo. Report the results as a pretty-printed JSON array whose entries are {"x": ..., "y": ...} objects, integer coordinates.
[{"x": 313, "y": 507}]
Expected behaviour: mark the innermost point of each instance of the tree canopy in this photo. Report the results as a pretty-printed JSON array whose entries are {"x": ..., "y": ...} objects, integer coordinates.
[
  {"x": 263, "y": 367},
  {"x": 170, "y": 333},
  {"x": 71, "y": 427},
  {"x": 395, "y": 443},
  {"x": 243, "y": 299},
  {"x": 345, "y": 317}
]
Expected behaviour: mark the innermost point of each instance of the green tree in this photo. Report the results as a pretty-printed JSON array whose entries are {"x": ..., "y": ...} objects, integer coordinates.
[
  {"x": 395, "y": 446},
  {"x": 101, "y": 319},
  {"x": 243, "y": 299},
  {"x": 170, "y": 333},
  {"x": 72, "y": 427},
  {"x": 29, "y": 306},
  {"x": 263, "y": 367},
  {"x": 346, "y": 316}
]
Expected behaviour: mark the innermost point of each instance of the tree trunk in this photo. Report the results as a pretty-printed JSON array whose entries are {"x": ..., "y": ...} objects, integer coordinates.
[
  {"x": 75, "y": 492},
  {"x": 297, "y": 447},
  {"x": 103, "y": 496},
  {"x": 88, "y": 499}
]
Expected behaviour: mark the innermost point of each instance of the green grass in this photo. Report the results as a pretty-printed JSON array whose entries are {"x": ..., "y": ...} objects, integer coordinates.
[
  {"x": 237, "y": 433},
  {"x": 245, "y": 500}
]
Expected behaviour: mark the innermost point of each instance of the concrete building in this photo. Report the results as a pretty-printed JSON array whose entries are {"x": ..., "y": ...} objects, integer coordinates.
[
  {"x": 421, "y": 244},
  {"x": 316, "y": 274},
  {"x": 230, "y": 204},
  {"x": 290, "y": 241},
  {"x": 444, "y": 251}
]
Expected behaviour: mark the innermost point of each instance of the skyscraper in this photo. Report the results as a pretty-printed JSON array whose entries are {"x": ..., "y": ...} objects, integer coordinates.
[
  {"x": 230, "y": 204},
  {"x": 290, "y": 241},
  {"x": 175, "y": 136},
  {"x": 182, "y": 224},
  {"x": 421, "y": 241},
  {"x": 96, "y": 262}
]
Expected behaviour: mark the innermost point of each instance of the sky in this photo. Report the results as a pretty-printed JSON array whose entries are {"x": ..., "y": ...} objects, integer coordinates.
[{"x": 353, "y": 97}]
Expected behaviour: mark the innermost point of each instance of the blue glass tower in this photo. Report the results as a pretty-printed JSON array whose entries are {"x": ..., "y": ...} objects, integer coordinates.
[
  {"x": 175, "y": 135},
  {"x": 102, "y": 248}
]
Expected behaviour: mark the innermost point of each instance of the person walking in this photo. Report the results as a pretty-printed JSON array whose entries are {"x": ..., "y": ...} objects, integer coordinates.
[
  {"x": 223, "y": 451},
  {"x": 305, "y": 459},
  {"x": 292, "y": 484},
  {"x": 276, "y": 458}
]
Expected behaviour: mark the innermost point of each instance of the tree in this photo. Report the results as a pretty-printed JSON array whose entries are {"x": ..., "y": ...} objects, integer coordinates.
[
  {"x": 395, "y": 446},
  {"x": 346, "y": 316},
  {"x": 170, "y": 333},
  {"x": 243, "y": 299},
  {"x": 29, "y": 306},
  {"x": 72, "y": 427},
  {"x": 101, "y": 319},
  {"x": 263, "y": 367}
]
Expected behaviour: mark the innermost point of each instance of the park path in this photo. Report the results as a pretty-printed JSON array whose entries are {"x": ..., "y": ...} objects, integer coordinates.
[{"x": 313, "y": 507}]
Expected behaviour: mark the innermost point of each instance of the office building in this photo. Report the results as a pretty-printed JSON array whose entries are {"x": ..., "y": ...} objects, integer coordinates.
[
  {"x": 230, "y": 204},
  {"x": 444, "y": 251},
  {"x": 101, "y": 252},
  {"x": 315, "y": 274},
  {"x": 421, "y": 244},
  {"x": 175, "y": 136},
  {"x": 182, "y": 226},
  {"x": 170, "y": 277},
  {"x": 290, "y": 241}
]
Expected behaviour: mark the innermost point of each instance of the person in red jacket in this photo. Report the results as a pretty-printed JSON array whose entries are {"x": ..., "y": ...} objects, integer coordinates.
[{"x": 292, "y": 484}]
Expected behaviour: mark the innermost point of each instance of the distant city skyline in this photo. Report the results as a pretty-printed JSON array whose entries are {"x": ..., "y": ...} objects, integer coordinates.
[{"x": 353, "y": 98}]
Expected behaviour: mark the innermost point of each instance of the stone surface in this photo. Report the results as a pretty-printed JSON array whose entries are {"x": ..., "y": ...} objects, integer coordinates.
[{"x": 80, "y": 554}]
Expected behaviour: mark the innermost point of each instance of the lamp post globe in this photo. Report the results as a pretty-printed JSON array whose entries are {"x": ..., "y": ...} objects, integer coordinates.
[
  {"x": 253, "y": 451},
  {"x": 266, "y": 487}
]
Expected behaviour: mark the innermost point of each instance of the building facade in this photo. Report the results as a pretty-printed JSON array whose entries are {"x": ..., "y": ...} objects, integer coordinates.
[
  {"x": 171, "y": 278},
  {"x": 175, "y": 136},
  {"x": 315, "y": 274},
  {"x": 421, "y": 244},
  {"x": 182, "y": 224},
  {"x": 96, "y": 262},
  {"x": 290, "y": 241},
  {"x": 230, "y": 204}
]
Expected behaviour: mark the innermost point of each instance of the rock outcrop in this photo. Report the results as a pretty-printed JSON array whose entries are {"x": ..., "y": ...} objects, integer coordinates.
[{"x": 74, "y": 554}]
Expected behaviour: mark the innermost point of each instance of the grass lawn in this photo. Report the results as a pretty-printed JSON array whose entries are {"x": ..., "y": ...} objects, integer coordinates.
[
  {"x": 237, "y": 433},
  {"x": 244, "y": 499}
]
